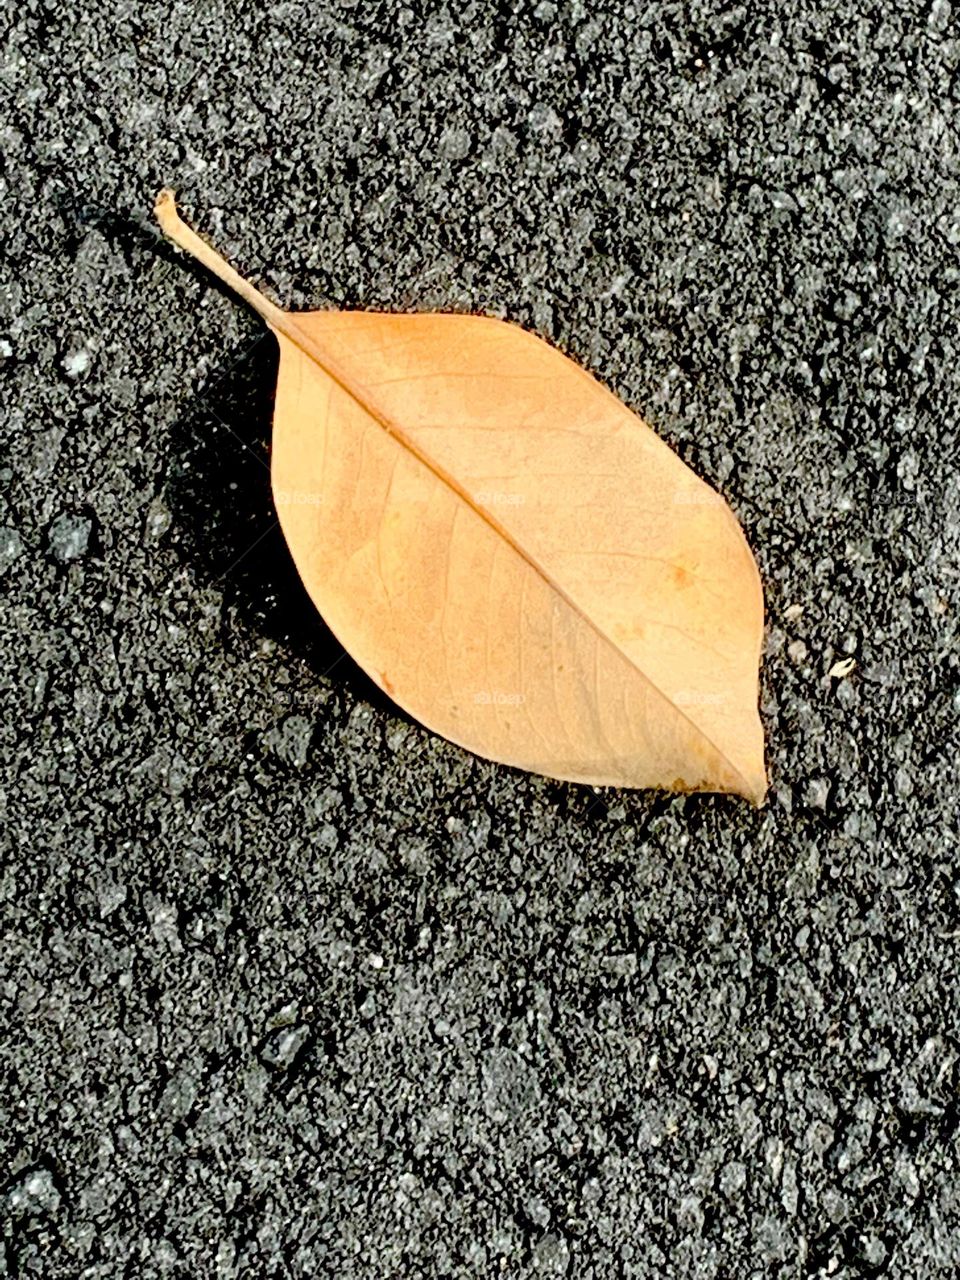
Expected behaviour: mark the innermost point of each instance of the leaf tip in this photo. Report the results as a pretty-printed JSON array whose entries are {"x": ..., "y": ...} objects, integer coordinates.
[{"x": 756, "y": 790}]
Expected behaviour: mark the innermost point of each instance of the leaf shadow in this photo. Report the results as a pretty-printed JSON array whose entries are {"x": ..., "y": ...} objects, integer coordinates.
[{"x": 218, "y": 491}]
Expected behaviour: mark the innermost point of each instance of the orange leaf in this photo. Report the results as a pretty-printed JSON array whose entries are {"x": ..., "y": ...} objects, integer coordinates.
[{"x": 509, "y": 551}]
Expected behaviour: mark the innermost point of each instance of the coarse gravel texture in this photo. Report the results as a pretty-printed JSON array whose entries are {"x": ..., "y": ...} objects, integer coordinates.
[{"x": 290, "y": 986}]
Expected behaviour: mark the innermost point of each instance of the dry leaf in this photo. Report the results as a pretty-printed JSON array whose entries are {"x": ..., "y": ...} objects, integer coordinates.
[
  {"x": 842, "y": 668},
  {"x": 510, "y": 552}
]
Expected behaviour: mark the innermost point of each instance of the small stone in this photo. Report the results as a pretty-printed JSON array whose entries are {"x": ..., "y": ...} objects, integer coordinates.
[
  {"x": 34, "y": 1193},
  {"x": 327, "y": 801},
  {"x": 158, "y": 521},
  {"x": 291, "y": 740},
  {"x": 326, "y": 837},
  {"x": 903, "y": 783},
  {"x": 70, "y": 537},
  {"x": 179, "y": 1094},
  {"x": 784, "y": 797},
  {"x": 874, "y": 1251},
  {"x": 797, "y": 651},
  {"x": 592, "y": 1191},
  {"x": 455, "y": 144},
  {"x": 76, "y": 362},
  {"x": 847, "y": 305},
  {"x": 397, "y": 735},
  {"x": 939, "y": 15},
  {"x": 11, "y": 547},
  {"x": 690, "y": 1215},
  {"x": 733, "y": 1178},
  {"x": 878, "y": 1060},
  {"x": 369, "y": 1006},
  {"x": 226, "y": 1259},
  {"x": 510, "y": 1085},
  {"x": 164, "y": 922},
  {"x": 905, "y": 1172},
  {"x": 283, "y": 1047},
  {"x": 537, "y": 1211},
  {"x": 164, "y": 1254},
  {"x": 551, "y": 1256},
  {"x": 817, "y": 793},
  {"x": 789, "y": 1191},
  {"x": 110, "y": 896},
  {"x": 543, "y": 119}
]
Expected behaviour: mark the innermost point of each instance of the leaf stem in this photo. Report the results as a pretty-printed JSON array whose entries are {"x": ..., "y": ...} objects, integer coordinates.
[{"x": 173, "y": 225}]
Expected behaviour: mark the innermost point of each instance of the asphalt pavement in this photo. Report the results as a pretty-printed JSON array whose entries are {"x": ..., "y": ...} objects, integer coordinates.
[{"x": 293, "y": 988}]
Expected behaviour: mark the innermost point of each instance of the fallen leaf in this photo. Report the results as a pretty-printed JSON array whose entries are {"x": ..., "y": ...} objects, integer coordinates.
[
  {"x": 842, "y": 668},
  {"x": 509, "y": 551}
]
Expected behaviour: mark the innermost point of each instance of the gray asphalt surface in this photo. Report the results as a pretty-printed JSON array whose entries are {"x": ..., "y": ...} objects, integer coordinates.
[{"x": 292, "y": 988}]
